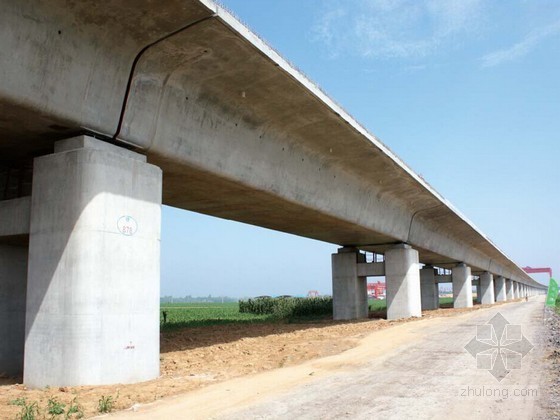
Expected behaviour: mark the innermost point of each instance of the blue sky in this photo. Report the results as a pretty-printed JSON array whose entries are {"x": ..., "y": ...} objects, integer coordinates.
[{"x": 466, "y": 92}]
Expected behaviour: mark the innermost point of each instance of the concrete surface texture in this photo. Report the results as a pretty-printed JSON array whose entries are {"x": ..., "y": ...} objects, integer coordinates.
[
  {"x": 486, "y": 288},
  {"x": 402, "y": 278},
  {"x": 239, "y": 133},
  {"x": 350, "y": 300},
  {"x": 13, "y": 284},
  {"x": 14, "y": 219},
  {"x": 416, "y": 370},
  {"x": 93, "y": 279},
  {"x": 462, "y": 286},
  {"x": 429, "y": 288}
]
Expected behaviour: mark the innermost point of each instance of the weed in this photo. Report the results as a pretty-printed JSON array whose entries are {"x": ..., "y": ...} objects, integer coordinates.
[
  {"x": 75, "y": 410},
  {"x": 105, "y": 404},
  {"x": 18, "y": 401},
  {"x": 55, "y": 408},
  {"x": 29, "y": 411}
]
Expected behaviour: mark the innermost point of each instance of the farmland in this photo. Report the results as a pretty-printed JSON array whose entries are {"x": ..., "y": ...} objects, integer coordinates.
[{"x": 182, "y": 315}]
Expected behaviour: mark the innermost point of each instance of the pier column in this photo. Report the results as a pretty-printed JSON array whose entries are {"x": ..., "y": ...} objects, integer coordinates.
[
  {"x": 486, "y": 283},
  {"x": 402, "y": 276},
  {"x": 462, "y": 286},
  {"x": 478, "y": 292},
  {"x": 94, "y": 267},
  {"x": 509, "y": 289},
  {"x": 500, "y": 289},
  {"x": 350, "y": 300},
  {"x": 429, "y": 288}
]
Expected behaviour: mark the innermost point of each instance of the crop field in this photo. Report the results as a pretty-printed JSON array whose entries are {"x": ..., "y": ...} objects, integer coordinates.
[
  {"x": 181, "y": 315},
  {"x": 377, "y": 304},
  {"x": 446, "y": 302}
]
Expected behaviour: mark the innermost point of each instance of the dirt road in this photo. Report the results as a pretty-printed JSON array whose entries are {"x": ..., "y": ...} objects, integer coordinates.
[{"x": 413, "y": 370}]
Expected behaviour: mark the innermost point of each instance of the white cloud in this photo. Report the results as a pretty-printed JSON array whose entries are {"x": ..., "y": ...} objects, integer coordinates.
[
  {"x": 324, "y": 28},
  {"x": 523, "y": 47},
  {"x": 396, "y": 28}
]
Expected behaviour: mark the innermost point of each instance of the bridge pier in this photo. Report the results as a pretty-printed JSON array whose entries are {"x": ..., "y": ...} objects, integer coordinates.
[
  {"x": 93, "y": 277},
  {"x": 509, "y": 289},
  {"x": 486, "y": 287},
  {"x": 462, "y": 286},
  {"x": 350, "y": 300},
  {"x": 402, "y": 277},
  {"x": 13, "y": 285},
  {"x": 429, "y": 288},
  {"x": 500, "y": 289},
  {"x": 478, "y": 292}
]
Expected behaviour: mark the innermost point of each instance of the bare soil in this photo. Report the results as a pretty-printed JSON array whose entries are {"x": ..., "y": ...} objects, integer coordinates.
[
  {"x": 551, "y": 381},
  {"x": 193, "y": 358}
]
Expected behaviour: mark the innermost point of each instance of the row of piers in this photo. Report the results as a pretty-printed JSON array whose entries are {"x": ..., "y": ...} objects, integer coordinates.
[{"x": 412, "y": 287}]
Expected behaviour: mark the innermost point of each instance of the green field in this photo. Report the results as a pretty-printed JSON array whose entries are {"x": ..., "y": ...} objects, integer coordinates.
[
  {"x": 377, "y": 305},
  {"x": 446, "y": 302},
  {"x": 181, "y": 315}
]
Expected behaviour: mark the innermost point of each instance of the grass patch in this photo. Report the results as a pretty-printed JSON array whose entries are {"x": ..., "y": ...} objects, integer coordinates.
[{"x": 557, "y": 305}]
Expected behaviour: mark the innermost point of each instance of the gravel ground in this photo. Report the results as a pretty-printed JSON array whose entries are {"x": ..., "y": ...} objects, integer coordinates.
[{"x": 551, "y": 342}]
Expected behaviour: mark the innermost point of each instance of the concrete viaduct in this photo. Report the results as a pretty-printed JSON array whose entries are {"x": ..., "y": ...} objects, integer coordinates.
[{"x": 108, "y": 109}]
